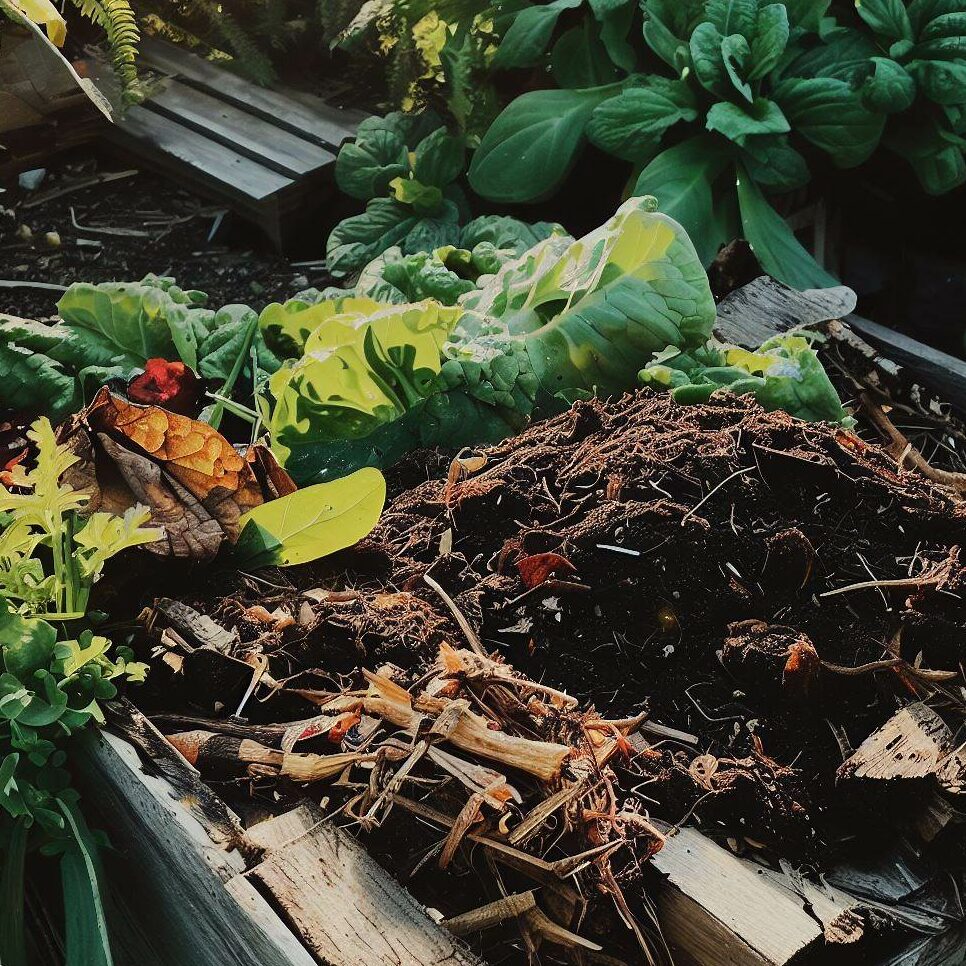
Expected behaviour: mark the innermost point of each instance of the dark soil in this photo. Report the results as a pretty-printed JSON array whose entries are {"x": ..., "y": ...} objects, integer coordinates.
[
  {"x": 700, "y": 542},
  {"x": 186, "y": 237}
]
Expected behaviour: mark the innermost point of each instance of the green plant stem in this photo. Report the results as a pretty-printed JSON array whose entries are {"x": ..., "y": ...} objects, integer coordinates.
[
  {"x": 13, "y": 945},
  {"x": 91, "y": 870},
  {"x": 226, "y": 389}
]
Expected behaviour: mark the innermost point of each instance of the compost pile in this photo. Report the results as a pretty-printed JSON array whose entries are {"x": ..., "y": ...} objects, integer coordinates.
[{"x": 632, "y": 616}]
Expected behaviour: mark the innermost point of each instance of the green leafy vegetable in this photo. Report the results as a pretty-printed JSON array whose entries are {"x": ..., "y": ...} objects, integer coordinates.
[
  {"x": 784, "y": 373},
  {"x": 405, "y": 168},
  {"x": 566, "y": 316},
  {"x": 109, "y": 331},
  {"x": 772, "y": 82},
  {"x": 52, "y": 688}
]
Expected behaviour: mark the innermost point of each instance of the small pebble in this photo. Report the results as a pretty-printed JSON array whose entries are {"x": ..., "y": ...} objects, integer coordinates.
[{"x": 30, "y": 180}]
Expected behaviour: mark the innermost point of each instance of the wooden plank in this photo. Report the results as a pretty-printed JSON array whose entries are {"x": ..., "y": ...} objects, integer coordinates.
[
  {"x": 219, "y": 167},
  {"x": 313, "y": 119},
  {"x": 937, "y": 370},
  {"x": 718, "y": 911},
  {"x": 243, "y": 132},
  {"x": 175, "y": 880},
  {"x": 765, "y": 308},
  {"x": 345, "y": 906}
]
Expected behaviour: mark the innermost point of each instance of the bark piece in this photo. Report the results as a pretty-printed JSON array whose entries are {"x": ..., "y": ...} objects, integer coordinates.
[{"x": 913, "y": 743}]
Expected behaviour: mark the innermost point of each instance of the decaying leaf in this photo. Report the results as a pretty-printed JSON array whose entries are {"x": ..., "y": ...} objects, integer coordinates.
[
  {"x": 539, "y": 567},
  {"x": 194, "y": 482}
]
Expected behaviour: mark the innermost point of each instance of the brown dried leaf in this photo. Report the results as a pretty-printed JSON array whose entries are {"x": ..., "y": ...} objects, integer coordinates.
[{"x": 191, "y": 478}]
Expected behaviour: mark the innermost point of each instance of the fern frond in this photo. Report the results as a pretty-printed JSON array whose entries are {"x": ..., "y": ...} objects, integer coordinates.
[{"x": 120, "y": 25}]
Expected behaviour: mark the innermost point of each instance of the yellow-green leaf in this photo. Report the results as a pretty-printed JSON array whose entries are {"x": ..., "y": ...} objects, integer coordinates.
[
  {"x": 312, "y": 522},
  {"x": 44, "y": 12}
]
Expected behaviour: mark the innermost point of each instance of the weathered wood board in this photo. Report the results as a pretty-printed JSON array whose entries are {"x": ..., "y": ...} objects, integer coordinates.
[
  {"x": 719, "y": 910},
  {"x": 188, "y": 885},
  {"x": 326, "y": 883},
  {"x": 268, "y": 154},
  {"x": 172, "y": 878}
]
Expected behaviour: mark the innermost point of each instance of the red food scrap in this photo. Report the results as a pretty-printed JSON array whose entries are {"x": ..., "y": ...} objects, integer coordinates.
[{"x": 171, "y": 385}]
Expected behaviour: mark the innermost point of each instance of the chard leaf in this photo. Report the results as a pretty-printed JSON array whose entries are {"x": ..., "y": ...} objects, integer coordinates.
[
  {"x": 668, "y": 25},
  {"x": 733, "y": 16},
  {"x": 890, "y": 88},
  {"x": 579, "y": 59},
  {"x": 681, "y": 179},
  {"x": 33, "y": 382},
  {"x": 830, "y": 114},
  {"x": 311, "y": 523},
  {"x": 844, "y": 54},
  {"x": 887, "y": 18},
  {"x": 615, "y": 24},
  {"x": 506, "y": 233},
  {"x": 769, "y": 41},
  {"x": 364, "y": 168},
  {"x": 934, "y": 153},
  {"x": 774, "y": 163},
  {"x": 952, "y": 24},
  {"x": 942, "y": 81},
  {"x": 632, "y": 124},
  {"x": 736, "y": 53},
  {"x": 529, "y": 34},
  {"x": 806, "y": 14},
  {"x": 737, "y": 123},
  {"x": 359, "y": 239},
  {"x": 706, "y": 56},
  {"x": 530, "y": 147},
  {"x": 439, "y": 158},
  {"x": 777, "y": 249},
  {"x": 385, "y": 222}
]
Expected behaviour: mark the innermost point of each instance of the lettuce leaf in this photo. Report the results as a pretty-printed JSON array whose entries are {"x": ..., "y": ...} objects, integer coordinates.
[
  {"x": 590, "y": 311},
  {"x": 567, "y": 317},
  {"x": 783, "y": 373},
  {"x": 109, "y": 331},
  {"x": 360, "y": 369}
]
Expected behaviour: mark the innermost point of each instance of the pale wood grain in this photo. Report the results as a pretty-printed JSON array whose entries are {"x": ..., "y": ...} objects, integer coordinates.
[{"x": 345, "y": 906}]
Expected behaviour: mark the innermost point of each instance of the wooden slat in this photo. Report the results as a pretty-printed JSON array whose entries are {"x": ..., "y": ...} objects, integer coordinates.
[
  {"x": 718, "y": 911},
  {"x": 938, "y": 370},
  {"x": 243, "y": 132},
  {"x": 348, "y": 910},
  {"x": 221, "y": 168},
  {"x": 326, "y": 125},
  {"x": 765, "y": 307},
  {"x": 187, "y": 892}
]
